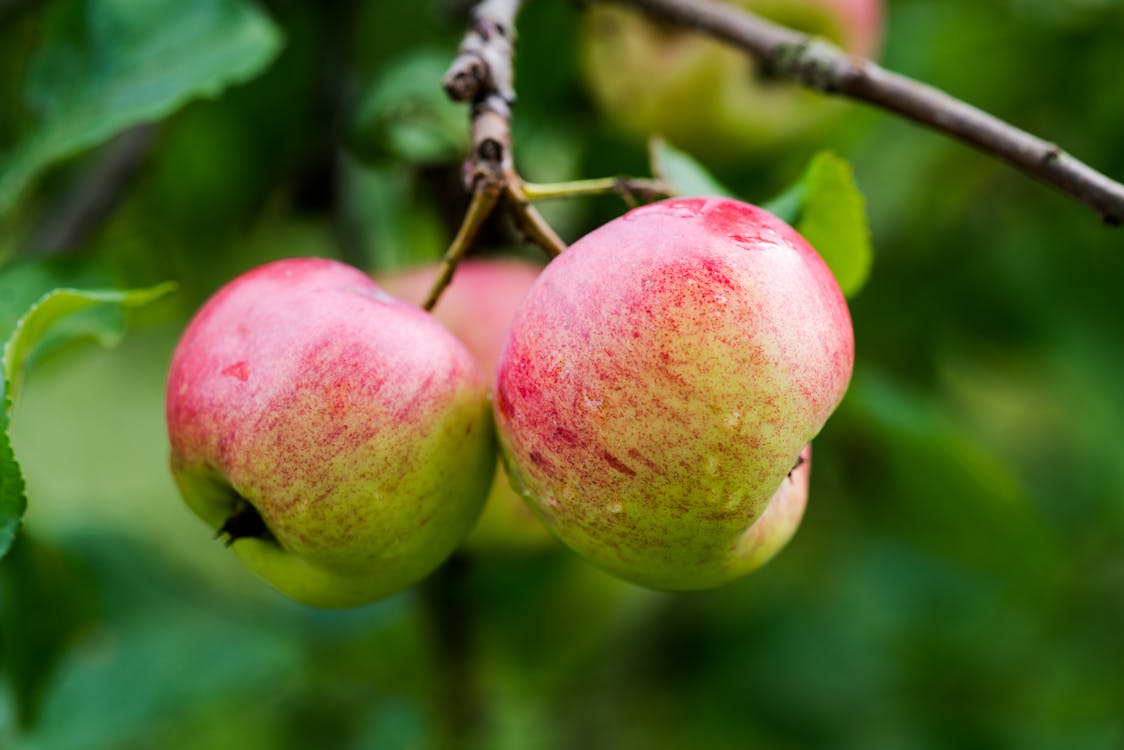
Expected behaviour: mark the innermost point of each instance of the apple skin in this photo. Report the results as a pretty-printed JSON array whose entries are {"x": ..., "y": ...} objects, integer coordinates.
[
  {"x": 354, "y": 424},
  {"x": 659, "y": 382},
  {"x": 477, "y": 307},
  {"x": 778, "y": 524},
  {"x": 705, "y": 96}
]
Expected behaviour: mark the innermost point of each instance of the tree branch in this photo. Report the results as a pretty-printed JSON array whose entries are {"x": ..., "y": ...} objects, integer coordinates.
[
  {"x": 785, "y": 53},
  {"x": 483, "y": 73}
]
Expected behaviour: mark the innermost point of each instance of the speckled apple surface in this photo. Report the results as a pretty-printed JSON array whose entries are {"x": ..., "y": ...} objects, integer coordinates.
[
  {"x": 354, "y": 423},
  {"x": 660, "y": 380},
  {"x": 477, "y": 307}
]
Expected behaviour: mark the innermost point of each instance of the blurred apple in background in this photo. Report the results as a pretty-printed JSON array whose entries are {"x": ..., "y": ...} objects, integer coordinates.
[
  {"x": 477, "y": 307},
  {"x": 707, "y": 97}
]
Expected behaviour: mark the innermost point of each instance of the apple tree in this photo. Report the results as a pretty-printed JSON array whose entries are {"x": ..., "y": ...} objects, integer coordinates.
[{"x": 501, "y": 344}]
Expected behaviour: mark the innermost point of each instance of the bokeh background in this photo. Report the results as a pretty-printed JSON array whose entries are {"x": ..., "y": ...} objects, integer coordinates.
[{"x": 958, "y": 580}]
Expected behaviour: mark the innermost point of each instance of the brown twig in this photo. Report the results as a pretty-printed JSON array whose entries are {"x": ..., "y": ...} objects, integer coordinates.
[
  {"x": 483, "y": 73},
  {"x": 789, "y": 54}
]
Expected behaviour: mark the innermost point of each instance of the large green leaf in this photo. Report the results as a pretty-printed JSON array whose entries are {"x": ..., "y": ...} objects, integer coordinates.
[
  {"x": 58, "y": 316},
  {"x": 827, "y": 208},
  {"x": 106, "y": 65}
]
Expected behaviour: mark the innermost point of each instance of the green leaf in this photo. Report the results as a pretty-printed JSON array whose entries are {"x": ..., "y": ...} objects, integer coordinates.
[
  {"x": 406, "y": 114},
  {"x": 55, "y": 316},
  {"x": 24, "y": 283},
  {"x": 827, "y": 208},
  {"x": 59, "y": 316},
  {"x": 106, "y": 65},
  {"x": 13, "y": 501},
  {"x": 37, "y": 577},
  {"x": 683, "y": 173}
]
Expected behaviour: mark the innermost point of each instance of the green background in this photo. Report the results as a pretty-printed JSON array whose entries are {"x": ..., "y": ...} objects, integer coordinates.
[{"x": 958, "y": 580}]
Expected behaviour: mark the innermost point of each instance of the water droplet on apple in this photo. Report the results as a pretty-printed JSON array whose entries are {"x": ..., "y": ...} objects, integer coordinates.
[{"x": 681, "y": 209}]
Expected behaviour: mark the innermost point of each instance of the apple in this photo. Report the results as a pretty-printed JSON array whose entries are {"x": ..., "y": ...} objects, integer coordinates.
[
  {"x": 339, "y": 437},
  {"x": 705, "y": 96},
  {"x": 659, "y": 383},
  {"x": 778, "y": 524},
  {"x": 477, "y": 307}
]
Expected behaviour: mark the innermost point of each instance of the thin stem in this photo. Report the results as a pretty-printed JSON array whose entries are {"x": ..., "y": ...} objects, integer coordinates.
[
  {"x": 785, "y": 53},
  {"x": 626, "y": 187},
  {"x": 483, "y": 201},
  {"x": 530, "y": 220}
]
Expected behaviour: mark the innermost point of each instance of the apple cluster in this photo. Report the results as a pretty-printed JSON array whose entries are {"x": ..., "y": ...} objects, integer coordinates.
[{"x": 652, "y": 392}]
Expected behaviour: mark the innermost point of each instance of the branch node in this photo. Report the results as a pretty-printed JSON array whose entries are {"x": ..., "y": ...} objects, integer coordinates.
[
  {"x": 811, "y": 62},
  {"x": 490, "y": 149},
  {"x": 466, "y": 77}
]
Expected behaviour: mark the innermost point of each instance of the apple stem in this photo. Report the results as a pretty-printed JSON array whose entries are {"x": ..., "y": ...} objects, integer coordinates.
[
  {"x": 632, "y": 190},
  {"x": 788, "y": 54},
  {"x": 483, "y": 201},
  {"x": 528, "y": 218}
]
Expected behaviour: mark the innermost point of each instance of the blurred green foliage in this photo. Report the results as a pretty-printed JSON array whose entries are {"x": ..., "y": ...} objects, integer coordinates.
[{"x": 958, "y": 580}]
